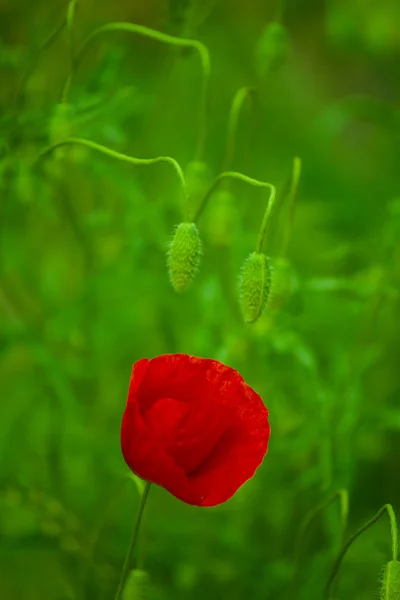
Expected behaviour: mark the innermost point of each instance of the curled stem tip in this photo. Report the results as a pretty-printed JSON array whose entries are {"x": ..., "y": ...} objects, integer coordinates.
[
  {"x": 163, "y": 38},
  {"x": 250, "y": 181},
  {"x": 234, "y": 114}
]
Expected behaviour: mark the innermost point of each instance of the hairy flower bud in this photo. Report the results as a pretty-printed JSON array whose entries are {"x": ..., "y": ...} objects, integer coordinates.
[
  {"x": 184, "y": 256},
  {"x": 254, "y": 285},
  {"x": 390, "y": 589}
]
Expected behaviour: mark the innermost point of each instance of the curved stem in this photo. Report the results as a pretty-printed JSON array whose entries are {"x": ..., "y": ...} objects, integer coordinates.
[
  {"x": 250, "y": 181},
  {"x": 161, "y": 37},
  {"x": 265, "y": 221},
  {"x": 234, "y": 114},
  {"x": 296, "y": 172},
  {"x": 135, "y": 535},
  {"x": 394, "y": 534},
  {"x": 118, "y": 156}
]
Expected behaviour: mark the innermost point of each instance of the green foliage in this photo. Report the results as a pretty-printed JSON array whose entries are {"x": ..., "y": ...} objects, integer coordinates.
[{"x": 84, "y": 291}]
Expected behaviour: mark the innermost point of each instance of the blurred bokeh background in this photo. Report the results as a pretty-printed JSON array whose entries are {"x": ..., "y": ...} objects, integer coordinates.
[{"x": 84, "y": 290}]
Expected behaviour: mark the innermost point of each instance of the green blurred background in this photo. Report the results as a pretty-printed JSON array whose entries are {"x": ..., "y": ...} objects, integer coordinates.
[{"x": 84, "y": 291}]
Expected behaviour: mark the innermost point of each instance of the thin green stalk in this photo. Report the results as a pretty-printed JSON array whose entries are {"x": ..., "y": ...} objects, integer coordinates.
[
  {"x": 343, "y": 497},
  {"x": 236, "y": 107},
  {"x": 118, "y": 156},
  {"x": 296, "y": 172},
  {"x": 70, "y": 22},
  {"x": 161, "y": 37},
  {"x": 135, "y": 535},
  {"x": 250, "y": 181},
  {"x": 394, "y": 534}
]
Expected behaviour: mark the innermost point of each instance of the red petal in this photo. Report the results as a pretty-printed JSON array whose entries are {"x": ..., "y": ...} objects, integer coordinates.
[
  {"x": 139, "y": 370},
  {"x": 236, "y": 457},
  {"x": 148, "y": 459}
]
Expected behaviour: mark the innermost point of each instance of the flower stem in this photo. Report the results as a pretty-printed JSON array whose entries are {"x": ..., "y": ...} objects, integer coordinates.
[
  {"x": 296, "y": 172},
  {"x": 234, "y": 114},
  {"x": 117, "y": 156},
  {"x": 161, "y": 37},
  {"x": 250, "y": 181},
  {"x": 135, "y": 535},
  {"x": 395, "y": 547},
  {"x": 70, "y": 22}
]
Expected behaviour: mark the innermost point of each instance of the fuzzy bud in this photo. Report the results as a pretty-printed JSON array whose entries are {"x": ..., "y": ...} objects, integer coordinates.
[
  {"x": 390, "y": 589},
  {"x": 254, "y": 285},
  {"x": 184, "y": 256}
]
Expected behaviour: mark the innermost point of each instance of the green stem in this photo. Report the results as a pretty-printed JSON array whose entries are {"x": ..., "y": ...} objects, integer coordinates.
[
  {"x": 299, "y": 546},
  {"x": 234, "y": 114},
  {"x": 166, "y": 39},
  {"x": 296, "y": 172},
  {"x": 135, "y": 535},
  {"x": 118, "y": 156},
  {"x": 250, "y": 181},
  {"x": 394, "y": 534},
  {"x": 70, "y": 22}
]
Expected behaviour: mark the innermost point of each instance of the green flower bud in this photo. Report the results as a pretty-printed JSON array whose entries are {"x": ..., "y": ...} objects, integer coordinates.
[
  {"x": 272, "y": 48},
  {"x": 254, "y": 285},
  {"x": 184, "y": 256},
  {"x": 390, "y": 589}
]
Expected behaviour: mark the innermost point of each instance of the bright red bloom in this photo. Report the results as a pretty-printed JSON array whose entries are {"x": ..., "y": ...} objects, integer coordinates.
[{"x": 193, "y": 426}]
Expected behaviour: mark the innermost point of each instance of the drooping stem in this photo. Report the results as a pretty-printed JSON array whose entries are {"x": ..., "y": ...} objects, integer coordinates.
[
  {"x": 163, "y": 38},
  {"x": 343, "y": 497},
  {"x": 236, "y": 107},
  {"x": 291, "y": 198},
  {"x": 265, "y": 221},
  {"x": 118, "y": 156},
  {"x": 394, "y": 534},
  {"x": 250, "y": 181},
  {"x": 135, "y": 536}
]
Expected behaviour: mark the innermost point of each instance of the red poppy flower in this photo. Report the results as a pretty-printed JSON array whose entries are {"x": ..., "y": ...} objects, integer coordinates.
[{"x": 193, "y": 426}]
